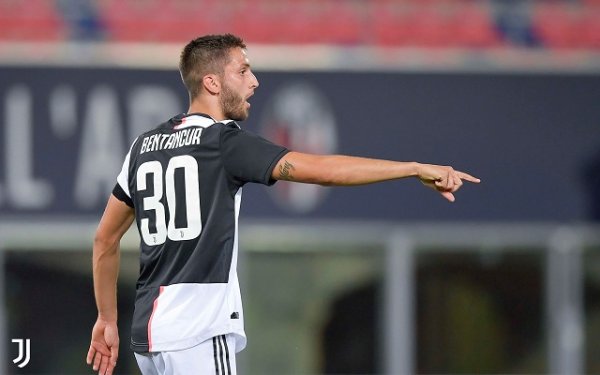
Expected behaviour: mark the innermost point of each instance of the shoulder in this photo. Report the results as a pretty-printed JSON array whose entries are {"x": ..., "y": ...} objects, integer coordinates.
[
  {"x": 228, "y": 125},
  {"x": 230, "y": 130}
]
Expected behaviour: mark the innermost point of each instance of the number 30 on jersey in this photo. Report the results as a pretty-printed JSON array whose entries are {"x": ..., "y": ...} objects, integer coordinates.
[{"x": 191, "y": 197}]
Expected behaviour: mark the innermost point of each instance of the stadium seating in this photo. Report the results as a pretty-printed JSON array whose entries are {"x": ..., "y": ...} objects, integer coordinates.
[
  {"x": 158, "y": 20},
  {"x": 590, "y": 27},
  {"x": 33, "y": 20},
  {"x": 392, "y": 23},
  {"x": 474, "y": 27},
  {"x": 563, "y": 25},
  {"x": 555, "y": 24}
]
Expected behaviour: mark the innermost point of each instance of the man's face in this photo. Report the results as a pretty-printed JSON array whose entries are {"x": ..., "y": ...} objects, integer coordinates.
[{"x": 238, "y": 85}]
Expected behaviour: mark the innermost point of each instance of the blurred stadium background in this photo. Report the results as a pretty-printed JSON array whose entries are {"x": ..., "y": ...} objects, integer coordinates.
[{"x": 386, "y": 278}]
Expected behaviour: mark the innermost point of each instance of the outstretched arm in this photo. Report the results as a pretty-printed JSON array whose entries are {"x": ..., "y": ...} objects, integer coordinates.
[
  {"x": 104, "y": 347},
  {"x": 340, "y": 170}
]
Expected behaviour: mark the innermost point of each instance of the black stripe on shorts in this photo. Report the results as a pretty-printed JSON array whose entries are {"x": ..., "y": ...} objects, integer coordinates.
[
  {"x": 219, "y": 347},
  {"x": 215, "y": 355},
  {"x": 226, "y": 355}
]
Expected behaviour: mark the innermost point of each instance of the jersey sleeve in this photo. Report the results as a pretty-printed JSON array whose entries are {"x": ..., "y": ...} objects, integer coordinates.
[
  {"x": 121, "y": 190},
  {"x": 248, "y": 157},
  {"x": 121, "y": 195}
]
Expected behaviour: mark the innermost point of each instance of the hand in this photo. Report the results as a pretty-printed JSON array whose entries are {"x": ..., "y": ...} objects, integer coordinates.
[
  {"x": 444, "y": 179},
  {"x": 104, "y": 348}
]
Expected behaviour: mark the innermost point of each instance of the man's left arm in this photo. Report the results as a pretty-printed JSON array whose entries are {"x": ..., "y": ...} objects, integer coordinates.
[
  {"x": 342, "y": 170},
  {"x": 104, "y": 346}
]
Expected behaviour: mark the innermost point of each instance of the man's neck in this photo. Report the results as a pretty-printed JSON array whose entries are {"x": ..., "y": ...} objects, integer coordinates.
[{"x": 213, "y": 111}]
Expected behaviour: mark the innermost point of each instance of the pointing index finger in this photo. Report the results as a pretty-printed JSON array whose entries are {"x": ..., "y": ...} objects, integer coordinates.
[{"x": 468, "y": 177}]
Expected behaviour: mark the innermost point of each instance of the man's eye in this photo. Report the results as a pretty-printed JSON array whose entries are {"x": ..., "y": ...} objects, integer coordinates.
[{"x": 243, "y": 71}]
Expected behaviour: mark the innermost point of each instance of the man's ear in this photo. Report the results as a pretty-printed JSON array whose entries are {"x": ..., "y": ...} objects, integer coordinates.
[{"x": 211, "y": 83}]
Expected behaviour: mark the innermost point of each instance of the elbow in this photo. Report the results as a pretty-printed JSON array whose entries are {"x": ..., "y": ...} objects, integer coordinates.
[
  {"x": 104, "y": 245},
  {"x": 323, "y": 179},
  {"x": 334, "y": 178},
  {"x": 330, "y": 182}
]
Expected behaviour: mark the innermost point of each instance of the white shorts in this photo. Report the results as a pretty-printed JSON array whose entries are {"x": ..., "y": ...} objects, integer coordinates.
[{"x": 215, "y": 356}]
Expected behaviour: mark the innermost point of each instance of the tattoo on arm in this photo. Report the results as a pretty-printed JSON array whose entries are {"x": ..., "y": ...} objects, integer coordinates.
[{"x": 285, "y": 171}]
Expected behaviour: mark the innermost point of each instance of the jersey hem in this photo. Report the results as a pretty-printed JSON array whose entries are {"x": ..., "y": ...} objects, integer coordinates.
[{"x": 190, "y": 342}]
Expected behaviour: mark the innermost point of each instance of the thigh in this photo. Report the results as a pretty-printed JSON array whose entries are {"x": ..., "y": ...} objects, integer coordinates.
[{"x": 215, "y": 356}]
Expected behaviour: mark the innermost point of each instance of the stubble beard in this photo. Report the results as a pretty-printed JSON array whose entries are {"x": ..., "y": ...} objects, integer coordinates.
[{"x": 233, "y": 105}]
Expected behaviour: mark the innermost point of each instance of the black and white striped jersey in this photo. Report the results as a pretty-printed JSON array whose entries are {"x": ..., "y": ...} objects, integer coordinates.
[{"x": 184, "y": 179}]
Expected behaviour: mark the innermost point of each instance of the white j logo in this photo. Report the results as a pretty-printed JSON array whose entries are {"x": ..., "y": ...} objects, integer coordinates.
[{"x": 24, "y": 351}]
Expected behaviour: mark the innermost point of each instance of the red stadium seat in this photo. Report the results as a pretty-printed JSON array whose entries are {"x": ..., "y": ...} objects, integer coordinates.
[
  {"x": 431, "y": 26},
  {"x": 128, "y": 20},
  {"x": 259, "y": 21},
  {"x": 30, "y": 20},
  {"x": 590, "y": 27},
  {"x": 554, "y": 23},
  {"x": 304, "y": 22},
  {"x": 433, "y": 23},
  {"x": 159, "y": 20},
  {"x": 474, "y": 26},
  {"x": 390, "y": 23},
  {"x": 342, "y": 22}
]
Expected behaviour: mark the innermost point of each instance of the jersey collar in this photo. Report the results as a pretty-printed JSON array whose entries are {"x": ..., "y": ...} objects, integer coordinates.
[{"x": 202, "y": 120}]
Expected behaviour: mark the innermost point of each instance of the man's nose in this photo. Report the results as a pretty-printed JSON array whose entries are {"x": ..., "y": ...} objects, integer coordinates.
[{"x": 254, "y": 81}]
